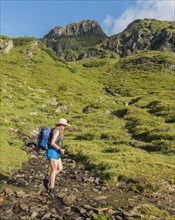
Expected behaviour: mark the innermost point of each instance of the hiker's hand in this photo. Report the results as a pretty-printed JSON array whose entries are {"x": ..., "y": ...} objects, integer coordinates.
[{"x": 62, "y": 151}]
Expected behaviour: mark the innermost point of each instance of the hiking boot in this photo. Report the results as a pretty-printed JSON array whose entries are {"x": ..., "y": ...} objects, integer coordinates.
[
  {"x": 52, "y": 192},
  {"x": 46, "y": 184}
]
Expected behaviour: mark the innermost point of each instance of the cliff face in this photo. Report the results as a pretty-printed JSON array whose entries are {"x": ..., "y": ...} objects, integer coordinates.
[{"x": 86, "y": 39}]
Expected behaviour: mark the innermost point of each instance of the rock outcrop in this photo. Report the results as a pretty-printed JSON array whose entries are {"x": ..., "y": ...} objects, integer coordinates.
[{"x": 5, "y": 45}]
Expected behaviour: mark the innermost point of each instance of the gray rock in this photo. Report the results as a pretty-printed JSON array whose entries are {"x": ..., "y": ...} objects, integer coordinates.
[
  {"x": 2, "y": 199},
  {"x": 8, "y": 190},
  {"x": 46, "y": 216},
  {"x": 69, "y": 200},
  {"x": 82, "y": 211},
  {"x": 34, "y": 215},
  {"x": 5, "y": 45},
  {"x": 20, "y": 194},
  {"x": 24, "y": 207}
]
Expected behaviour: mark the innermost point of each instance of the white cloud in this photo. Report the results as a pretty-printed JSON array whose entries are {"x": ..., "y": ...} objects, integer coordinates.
[
  {"x": 108, "y": 21},
  {"x": 157, "y": 9},
  {"x": 108, "y": 24}
]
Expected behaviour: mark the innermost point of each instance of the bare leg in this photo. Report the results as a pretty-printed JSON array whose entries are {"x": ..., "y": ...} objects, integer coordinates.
[
  {"x": 53, "y": 164},
  {"x": 59, "y": 165}
]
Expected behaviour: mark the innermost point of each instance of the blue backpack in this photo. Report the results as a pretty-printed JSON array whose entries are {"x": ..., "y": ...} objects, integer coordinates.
[{"x": 44, "y": 137}]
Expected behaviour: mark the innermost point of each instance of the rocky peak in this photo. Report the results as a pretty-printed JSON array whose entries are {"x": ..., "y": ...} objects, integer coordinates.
[
  {"x": 146, "y": 34},
  {"x": 72, "y": 41},
  {"x": 76, "y": 29}
]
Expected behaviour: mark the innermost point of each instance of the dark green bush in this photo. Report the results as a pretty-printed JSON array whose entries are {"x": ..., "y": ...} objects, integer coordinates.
[
  {"x": 111, "y": 150},
  {"x": 62, "y": 88},
  {"x": 142, "y": 188},
  {"x": 21, "y": 41},
  {"x": 94, "y": 63},
  {"x": 122, "y": 178},
  {"x": 4, "y": 37},
  {"x": 51, "y": 53},
  {"x": 120, "y": 112},
  {"x": 167, "y": 111},
  {"x": 164, "y": 146},
  {"x": 87, "y": 136},
  {"x": 90, "y": 108},
  {"x": 160, "y": 135},
  {"x": 170, "y": 118},
  {"x": 109, "y": 136}
]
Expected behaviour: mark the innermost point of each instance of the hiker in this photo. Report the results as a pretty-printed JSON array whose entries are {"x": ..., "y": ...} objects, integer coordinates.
[{"x": 54, "y": 151}]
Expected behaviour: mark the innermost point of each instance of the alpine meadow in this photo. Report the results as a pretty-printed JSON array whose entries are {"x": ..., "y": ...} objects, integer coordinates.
[{"x": 116, "y": 92}]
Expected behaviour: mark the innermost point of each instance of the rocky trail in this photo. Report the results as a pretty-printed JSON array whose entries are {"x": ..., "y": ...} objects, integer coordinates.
[{"x": 80, "y": 194}]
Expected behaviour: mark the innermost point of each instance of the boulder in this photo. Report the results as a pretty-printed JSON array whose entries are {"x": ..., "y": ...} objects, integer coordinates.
[{"x": 5, "y": 45}]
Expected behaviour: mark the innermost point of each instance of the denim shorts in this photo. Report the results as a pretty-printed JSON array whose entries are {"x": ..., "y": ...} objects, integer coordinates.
[{"x": 53, "y": 153}]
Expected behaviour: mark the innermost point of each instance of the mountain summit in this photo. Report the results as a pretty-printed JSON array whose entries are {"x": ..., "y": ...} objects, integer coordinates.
[
  {"x": 72, "y": 41},
  {"x": 77, "y": 29}
]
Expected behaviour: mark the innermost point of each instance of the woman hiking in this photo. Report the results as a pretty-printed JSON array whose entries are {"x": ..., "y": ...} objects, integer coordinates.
[{"x": 54, "y": 151}]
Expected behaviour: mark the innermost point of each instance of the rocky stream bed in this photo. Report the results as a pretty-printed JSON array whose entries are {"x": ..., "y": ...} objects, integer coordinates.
[{"x": 80, "y": 194}]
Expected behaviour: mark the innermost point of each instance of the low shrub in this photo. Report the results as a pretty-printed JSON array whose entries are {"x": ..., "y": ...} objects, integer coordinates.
[
  {"x": 94, "y": 64},
  {"x": 111, "y": 150},
  {"x": 89, "y": 136},
  {"x": 51, "y": 53},
  {"x": 142, "y": 188},
  {"x": 164, "y": 146},
  {"x": 63, "y": 88},
  {"x": 149, "y": 212},
  {"x": 109, "y": 136},
  {"x": 90, "y": 108},
  {"x": 21, "y": 41},
  {"x": 18, "y": 144},
  {"x": 153, "y": 135},
  {"x": 4, "y": 37},
  {"x": 170, "y": 118},
  {"x": 120, "y": 112}
]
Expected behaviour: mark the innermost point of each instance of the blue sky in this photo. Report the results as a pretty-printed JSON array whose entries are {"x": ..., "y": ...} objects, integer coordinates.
[{"x": 36, "y": 18}]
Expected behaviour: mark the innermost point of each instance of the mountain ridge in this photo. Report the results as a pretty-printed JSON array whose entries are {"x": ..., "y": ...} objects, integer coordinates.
[
  {"x": 146, "y": 34},
  {"x": 85, "y": 39}
]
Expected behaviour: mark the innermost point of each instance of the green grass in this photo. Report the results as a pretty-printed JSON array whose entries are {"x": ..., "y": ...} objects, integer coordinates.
[
  {"x": 120, "y": 142},
  {"x": 150, "y": 212},
  {"x": 11, "y": 154}
]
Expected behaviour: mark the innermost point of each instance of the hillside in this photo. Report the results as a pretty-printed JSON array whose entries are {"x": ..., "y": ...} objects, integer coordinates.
[{"x": 121, "y": 111}]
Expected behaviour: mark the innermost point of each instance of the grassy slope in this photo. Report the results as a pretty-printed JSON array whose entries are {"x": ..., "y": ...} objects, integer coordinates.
[{"x": 33, "y": 88}]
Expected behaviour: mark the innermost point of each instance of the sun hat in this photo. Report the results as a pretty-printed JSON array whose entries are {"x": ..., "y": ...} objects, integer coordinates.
[{"x": 62, "y": 121}]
